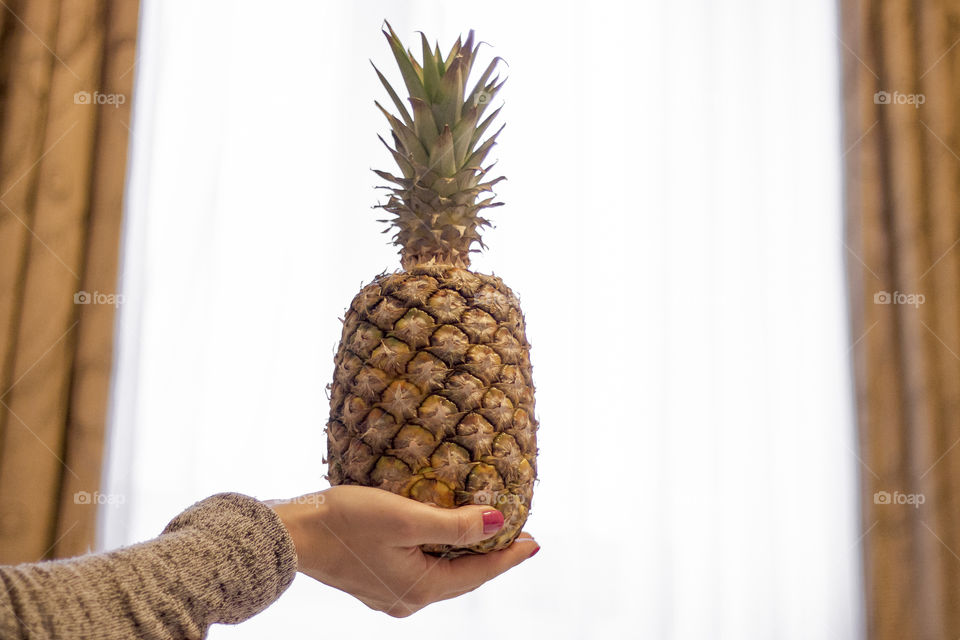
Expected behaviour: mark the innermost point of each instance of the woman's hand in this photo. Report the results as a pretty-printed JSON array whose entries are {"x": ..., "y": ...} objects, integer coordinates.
[{"x": 366, "y": 542}]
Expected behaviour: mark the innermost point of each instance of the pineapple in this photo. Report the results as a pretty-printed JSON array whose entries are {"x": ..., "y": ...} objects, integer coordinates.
[{"x": 432, "y": 393}]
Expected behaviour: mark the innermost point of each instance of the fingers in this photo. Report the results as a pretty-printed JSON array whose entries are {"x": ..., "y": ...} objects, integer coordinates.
[
  {"x": 386, "y": 569},
  {"x": 461, "y": 527},
  {"x": 455, "y": 577}
]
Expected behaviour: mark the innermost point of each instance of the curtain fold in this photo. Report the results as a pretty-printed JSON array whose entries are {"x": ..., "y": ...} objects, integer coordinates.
[
  {"x": 66, "y": 77},
  {"x": 901, "y": 77}
]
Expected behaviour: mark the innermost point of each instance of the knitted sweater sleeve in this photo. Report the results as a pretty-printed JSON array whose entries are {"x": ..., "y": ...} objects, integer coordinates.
[{"x": 224, "y": 559}]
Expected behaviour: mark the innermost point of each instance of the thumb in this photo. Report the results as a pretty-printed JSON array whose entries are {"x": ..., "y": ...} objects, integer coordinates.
[{"x": 461, "y": 527}]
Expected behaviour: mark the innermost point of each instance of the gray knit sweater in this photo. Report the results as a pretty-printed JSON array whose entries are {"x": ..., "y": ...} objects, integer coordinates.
[{"x": 224, "y": 559}]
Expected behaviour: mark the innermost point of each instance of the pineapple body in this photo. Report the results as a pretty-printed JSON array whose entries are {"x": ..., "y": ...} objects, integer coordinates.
[
  {"x": 432, "y": 394},
  {"x": 433, "y": 398}
]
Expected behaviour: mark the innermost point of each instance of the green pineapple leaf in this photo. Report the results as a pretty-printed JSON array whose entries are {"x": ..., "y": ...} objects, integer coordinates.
[
  {"x": 431, "y": 74},
  {"x": 393, "y": 96},
  {"x": 407, "y": 64}
]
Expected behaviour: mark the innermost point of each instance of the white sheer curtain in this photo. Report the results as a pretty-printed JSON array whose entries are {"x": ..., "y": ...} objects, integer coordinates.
[{"x": 672, "y": 227}]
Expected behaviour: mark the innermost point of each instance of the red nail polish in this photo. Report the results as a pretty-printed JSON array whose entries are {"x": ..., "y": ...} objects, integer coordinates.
[
  {"x": 492, "y": 521},
  {"x": 534, "y": 552}
]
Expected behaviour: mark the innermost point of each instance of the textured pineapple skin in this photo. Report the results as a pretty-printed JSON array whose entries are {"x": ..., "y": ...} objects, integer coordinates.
[{"x": 432, "y": 396}]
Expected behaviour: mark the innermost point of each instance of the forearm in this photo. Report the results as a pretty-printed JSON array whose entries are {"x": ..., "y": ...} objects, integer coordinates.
[{"x": 223, "y": 560}]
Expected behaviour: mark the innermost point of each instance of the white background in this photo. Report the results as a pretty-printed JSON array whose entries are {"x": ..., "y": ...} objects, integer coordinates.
[{"x": 673, "y": 229}]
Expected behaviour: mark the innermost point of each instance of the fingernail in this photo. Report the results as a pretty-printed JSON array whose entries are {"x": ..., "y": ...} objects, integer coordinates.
[
  {"x": 534, "y": 552},
  {"x": 492, "y": 521}
]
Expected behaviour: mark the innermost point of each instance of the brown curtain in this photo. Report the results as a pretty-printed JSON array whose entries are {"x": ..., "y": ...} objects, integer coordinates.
[
  {"x": 901, "y": 108},
  {"x": 66, "y": 79}
]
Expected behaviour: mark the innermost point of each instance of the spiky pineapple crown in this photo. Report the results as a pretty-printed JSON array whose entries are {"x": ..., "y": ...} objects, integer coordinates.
[{"x": 439, "y": 153}]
